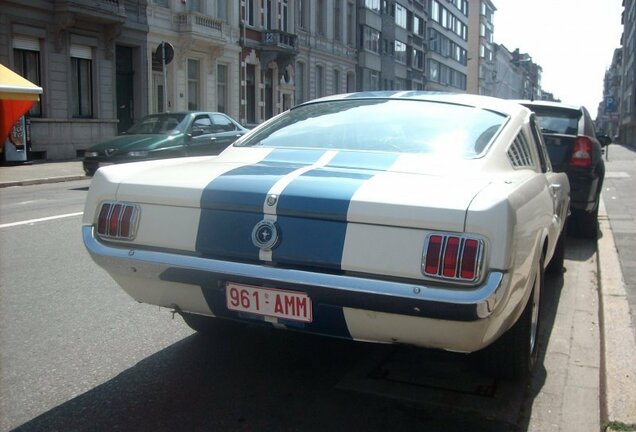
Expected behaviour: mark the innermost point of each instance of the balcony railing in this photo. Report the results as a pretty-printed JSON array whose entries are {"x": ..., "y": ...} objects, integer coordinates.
[
  {"x": 197, "y": 23},
  {"x": 278, "y": 39}
]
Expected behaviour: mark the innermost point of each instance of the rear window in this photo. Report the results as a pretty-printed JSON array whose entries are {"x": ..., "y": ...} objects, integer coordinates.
[
  {"x": 558, "y": 121},
  {"x": 403, "y": 126},
  {"x": 158, "y": 124}
]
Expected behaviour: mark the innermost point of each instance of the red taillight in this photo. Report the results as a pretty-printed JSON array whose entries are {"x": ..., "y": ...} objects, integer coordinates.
[
  {"x": 470, "y": 255},
  {"x": 113, "y": 220},
  {"x": 117, "y": 221},
  {"x": 102, "y": 222},
  {"x": 452, "y": 257},
  {"x": 433, "y": 253},
  {"x": 449, "y": 268},
  {"x": 582, "y": 152}
]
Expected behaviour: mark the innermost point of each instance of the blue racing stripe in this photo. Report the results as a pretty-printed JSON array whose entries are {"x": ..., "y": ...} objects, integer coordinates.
[
  {"x": 312, "y": 209},
  {"x": 232, "y": 203}
]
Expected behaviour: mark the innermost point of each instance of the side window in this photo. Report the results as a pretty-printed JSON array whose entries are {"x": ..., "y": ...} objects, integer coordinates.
[
  {"x": 222, "y": 123},
  {"x": 544, "y": 162},
  {"x": 202, "y": 125}
]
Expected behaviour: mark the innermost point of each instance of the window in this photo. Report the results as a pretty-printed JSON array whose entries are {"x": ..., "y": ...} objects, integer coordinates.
[
  {"x": 321, "y": 25},
  {"x": 300, "y": 82},
  {"x": 320, "y": 87},
  {"x": 400, "y": 15},
  {"x": 370, "y": 39},
  {"x": 337, "y": 21},
  {"x": 193, "y": 84},
  {"x": 374, "y": 80},
  {"x": 336, "y": 81},
  {"x": 221, "y": 88},
  {"x": 221, "y": 10},
  {"x": 374, "y": 5},
  {"x": 400, "y": 52},
  {"x": 222, "y": 123},
  {"x": 26, "y": 57},
  {"x": 282, "y": 19},
  {"x": 194, "y": 5},
  {"x": 303, "y": 14},
  {"x": 435, "y": 11},
  {"x": 202, "y": 125},
  {"x": 82, "y": 81},
  {"x": 418, "y": 25},
  {"x": 433, "y": 71},
  {"x": 417, "y": 58},
  {"x": 249, "y": 12},
  {"x": 351, "y": 80},
  {"x": 351, "y": 25}
]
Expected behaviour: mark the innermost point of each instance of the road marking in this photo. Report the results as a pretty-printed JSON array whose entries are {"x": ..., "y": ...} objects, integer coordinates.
[{"x": 32, "y": 221}]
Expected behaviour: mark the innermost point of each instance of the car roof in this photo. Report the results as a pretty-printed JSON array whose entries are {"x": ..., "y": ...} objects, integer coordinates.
[
  {"x": 502, "y": 106},
  {"x": 548, "y": 104}
]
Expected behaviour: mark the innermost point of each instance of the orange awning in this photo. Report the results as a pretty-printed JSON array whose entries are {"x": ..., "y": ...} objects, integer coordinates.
[{"x": 17, "y": 96}]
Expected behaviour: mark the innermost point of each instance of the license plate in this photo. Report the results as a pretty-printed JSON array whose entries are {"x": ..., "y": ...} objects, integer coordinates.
[{"x": 268, "y": 302}]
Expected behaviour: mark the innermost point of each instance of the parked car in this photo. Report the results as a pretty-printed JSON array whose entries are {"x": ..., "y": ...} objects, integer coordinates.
[
  {"x": 575, "y": 149},
  {"x": 394, "y": 217},
  {"x": 166, "y": 135}
]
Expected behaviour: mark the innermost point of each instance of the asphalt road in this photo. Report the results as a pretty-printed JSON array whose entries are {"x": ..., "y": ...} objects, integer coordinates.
[{"x": 76, "y": 353}]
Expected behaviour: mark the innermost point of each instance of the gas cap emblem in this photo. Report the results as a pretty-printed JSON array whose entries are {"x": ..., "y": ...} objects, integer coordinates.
[{"x": 266, "y": 235}]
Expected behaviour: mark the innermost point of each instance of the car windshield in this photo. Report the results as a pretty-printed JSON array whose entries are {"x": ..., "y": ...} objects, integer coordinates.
[
  {"x": 558, "y": 121},
  {"x": 395, "y": 125},
  {"x": 158, "y": 124}
]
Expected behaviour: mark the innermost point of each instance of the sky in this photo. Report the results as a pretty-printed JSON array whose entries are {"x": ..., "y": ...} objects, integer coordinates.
[{"x": 572, "y": 40}]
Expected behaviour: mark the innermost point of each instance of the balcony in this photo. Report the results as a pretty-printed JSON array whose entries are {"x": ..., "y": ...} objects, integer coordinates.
[
  {"x": 276, "y": 40},
  {"x": 200, "y": 25},
  {"x": 102, "y": 11}
]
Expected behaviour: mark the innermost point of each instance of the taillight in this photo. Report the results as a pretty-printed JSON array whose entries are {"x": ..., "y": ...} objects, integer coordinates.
[
  {"x": 582, "y": 152},
  {"x": 452, "y": 257},
  {"x": 117, "y": 221}
]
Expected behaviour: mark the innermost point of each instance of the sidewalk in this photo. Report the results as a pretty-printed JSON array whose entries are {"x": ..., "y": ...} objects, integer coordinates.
[
  {"x": 40, "y": 172},
  {"x": 615, "y": 254}
]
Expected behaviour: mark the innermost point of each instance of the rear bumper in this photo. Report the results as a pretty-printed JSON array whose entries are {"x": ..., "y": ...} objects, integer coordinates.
[{"x": 183, "y": 281}]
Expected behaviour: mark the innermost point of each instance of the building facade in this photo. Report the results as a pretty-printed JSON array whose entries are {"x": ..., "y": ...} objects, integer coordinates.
[
  {"x": 481, "y": 48},
  {"x": 508, "y": 77},
  {"x": 89, "y": 57},
  {"x": 447, "y": 55},
  {"x": 627, "y": 134},
  {"x": 608, "y": 118}
]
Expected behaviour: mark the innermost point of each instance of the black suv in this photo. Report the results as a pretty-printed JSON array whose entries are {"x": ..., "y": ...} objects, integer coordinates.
[{"x": 576, "y": 149}]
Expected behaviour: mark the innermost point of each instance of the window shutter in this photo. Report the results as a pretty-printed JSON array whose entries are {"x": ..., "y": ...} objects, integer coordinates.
[
  {"x": 81, "y": 51},
  {"x": 26, "y": 43}
]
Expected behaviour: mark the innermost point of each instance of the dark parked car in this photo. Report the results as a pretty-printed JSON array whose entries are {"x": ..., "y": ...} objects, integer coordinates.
[
  {"x": 576, "y": 149},
  {"x": 166, "y": 135}
]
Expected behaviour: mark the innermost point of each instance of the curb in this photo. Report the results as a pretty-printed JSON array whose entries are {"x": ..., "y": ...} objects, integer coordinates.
[
  {"x": 618, "y": 343},
  {"x": 42, "y": 181}
]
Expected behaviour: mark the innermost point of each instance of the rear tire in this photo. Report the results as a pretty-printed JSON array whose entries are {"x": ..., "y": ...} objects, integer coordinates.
[{"x": 514, "y": 355}]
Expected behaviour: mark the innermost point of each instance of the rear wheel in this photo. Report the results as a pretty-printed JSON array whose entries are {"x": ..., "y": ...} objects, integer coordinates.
[{"x": 514, "y": 355}]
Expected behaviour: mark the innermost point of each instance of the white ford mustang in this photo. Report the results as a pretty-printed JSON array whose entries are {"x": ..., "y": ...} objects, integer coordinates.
[{"x": 397, "y": 217}]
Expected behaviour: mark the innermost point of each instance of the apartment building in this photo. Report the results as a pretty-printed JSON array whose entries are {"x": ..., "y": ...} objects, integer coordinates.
[
  {"x": 481, "y": 48},
  {"x": 89, "y": 57},
  {"x": 628, "y": 93},
  {"x": 204, "y": 71},
  {"x": 447, "y": 56},
  {"x": 607, "y": 119}
]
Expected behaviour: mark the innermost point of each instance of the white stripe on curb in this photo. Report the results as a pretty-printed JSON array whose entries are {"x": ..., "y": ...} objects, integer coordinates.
[
  {"x": 619, "y": 340},
  {"x": 32, "y": 221}
]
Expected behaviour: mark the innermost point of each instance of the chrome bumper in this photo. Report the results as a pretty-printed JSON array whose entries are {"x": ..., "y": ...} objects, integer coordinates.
[{"x": 403, "y": 298}]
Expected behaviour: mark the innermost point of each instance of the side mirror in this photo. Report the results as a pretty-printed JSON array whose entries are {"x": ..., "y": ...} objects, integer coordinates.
[
  {"x": 604, "y": 140},
  {"x": 196, "y": 132}
]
